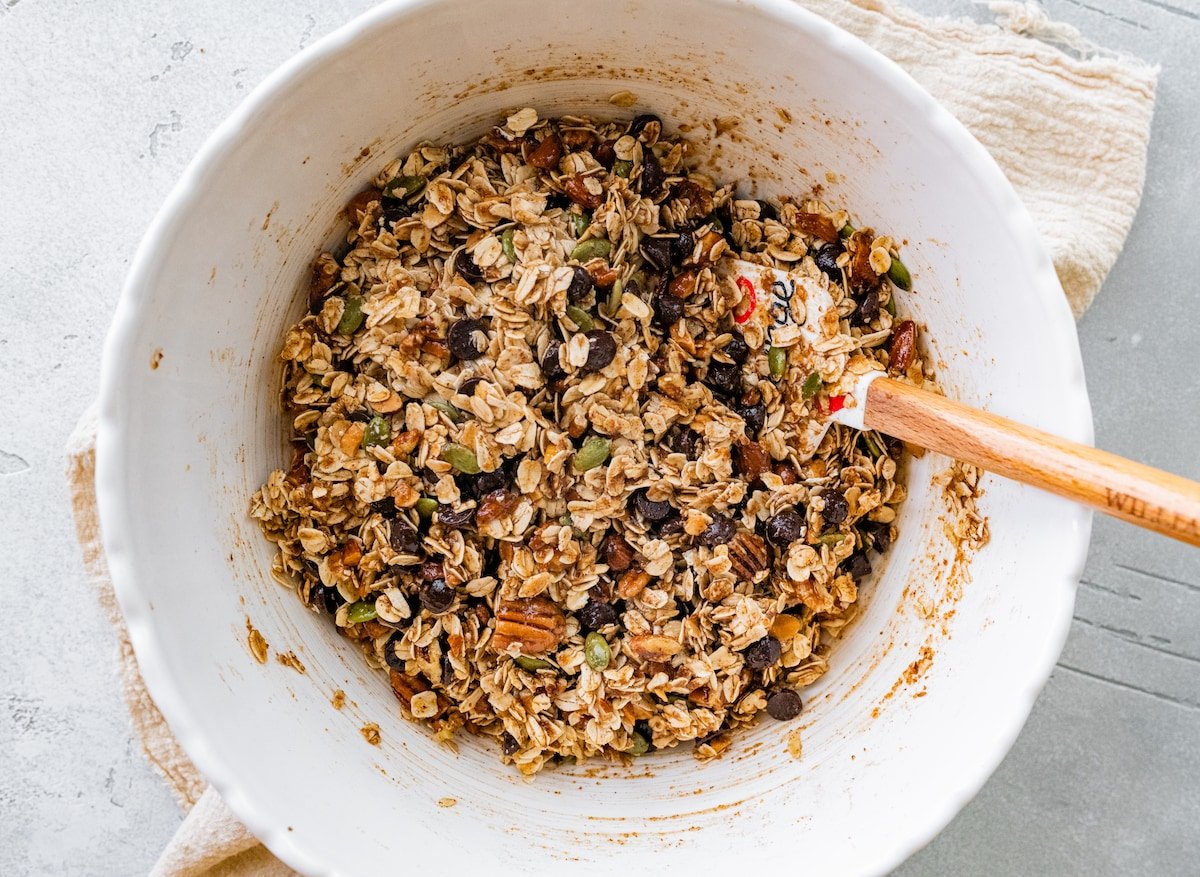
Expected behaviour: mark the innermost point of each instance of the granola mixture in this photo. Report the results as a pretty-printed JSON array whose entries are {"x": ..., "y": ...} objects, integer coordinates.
[{"x": 542, "y": 470}]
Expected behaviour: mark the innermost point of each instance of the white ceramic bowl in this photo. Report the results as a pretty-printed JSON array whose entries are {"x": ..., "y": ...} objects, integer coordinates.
[{"x": 191, "y": 426}]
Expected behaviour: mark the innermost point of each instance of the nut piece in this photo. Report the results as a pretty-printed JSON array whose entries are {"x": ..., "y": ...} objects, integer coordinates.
[
  {"x": 749, "y": 555},
  {"x": 632, "y": 583},
  {"x": 654, "y": 647},
  {"x": 750, "y": 460},
  {"x": 706, "y": 697},
  {"x": 535, "y": 625},
  {"x": 405, "y": 686}
]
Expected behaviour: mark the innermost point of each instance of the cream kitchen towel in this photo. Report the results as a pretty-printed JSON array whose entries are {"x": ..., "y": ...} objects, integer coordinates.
[{"x": 1067, "y": 122}]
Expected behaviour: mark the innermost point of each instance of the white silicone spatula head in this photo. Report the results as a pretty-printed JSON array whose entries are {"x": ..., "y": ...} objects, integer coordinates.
[{"x": 797, "y": 312}]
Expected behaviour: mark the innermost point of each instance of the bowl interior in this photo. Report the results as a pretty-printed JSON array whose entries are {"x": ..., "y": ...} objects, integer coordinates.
[{"x": 191, "y": 427}]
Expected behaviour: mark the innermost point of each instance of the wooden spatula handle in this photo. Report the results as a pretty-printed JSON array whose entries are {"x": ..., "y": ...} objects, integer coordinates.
[{"x": 1140, "y": 494}]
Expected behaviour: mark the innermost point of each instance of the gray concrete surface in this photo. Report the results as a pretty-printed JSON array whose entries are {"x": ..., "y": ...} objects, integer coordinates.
[{"x": 102, "y": 104}]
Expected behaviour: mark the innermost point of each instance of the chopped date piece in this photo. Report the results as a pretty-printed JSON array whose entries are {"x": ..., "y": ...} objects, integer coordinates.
[
  {"x": 616, "y": 552},
  {"x": 723, "y": 378},
  {"x": 671, "y": 524},
  {"x": 817, "y": 225},
  {"x": 594, "y": 615},
  {"x": 754, "y": 416},
  {"x": 431, "y": 570},
  {"x": 867, "y": 309},
  {"x": 826, "y": 259},
  {"x": 750, "y": 461},
  {"x": 668, "y": 310},
  {"x": 547, "y": 153},
  {"x": 652, "y": 177},
  {"x": 497, "y": 505},
  {"x": 455, "y": 520},
  {"x": 385, "y": 507},
  {"x": 904, "y": 347},
  {"x": 657, "y": 251},
  {"x": 403, "y": 536},
  {"x": 605, "y": 154}
]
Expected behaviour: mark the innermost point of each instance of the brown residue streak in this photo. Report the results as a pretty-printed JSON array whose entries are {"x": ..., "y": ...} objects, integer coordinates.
[
  {"x": 258, "y": 645},
  {"x": 289, "y": 659},
  {"x": 156, "y": 358},
  {"x": 918, "y": 668},
  {"x": 267, "y": 219}
]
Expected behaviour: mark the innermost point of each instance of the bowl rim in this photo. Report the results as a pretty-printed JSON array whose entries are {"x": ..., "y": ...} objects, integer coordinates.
[{"x": 112, "y": 475}]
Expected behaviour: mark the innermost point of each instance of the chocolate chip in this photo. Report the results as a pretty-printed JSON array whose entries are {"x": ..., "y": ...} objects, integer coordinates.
[
  {"x": 581, "y": 285},
  {"x": 763, "y": 654},
  {"x": 640, "y": 122},
  {"x": 857, "y": 566},
  {"x": 672, "y": 524},
  {"x": 682, "y": 246},
  {"x": 720, "y": 531},
  {"x": 436, "y": 596},
  {"x": 880, "y": 534},
  {"x": 432, "y": 570},
  {"x": 550, "y": 365},
  {"x": 684, "y": 440},
  {"x": 652, "y": 511},
  {"x": 465, "y": 265},
  {"x": 467, "y": 339},
  {"x": 389, "y": 652},
  {"x": 385, "y": 507},
  {"x": 785, "y": 528},
  {"x": 766, "y": 210},
  {"x": 784, "y": 705},
  {"x": 601, "y": 349},
  {"x": 509, "y": 744},
  {"x": 836, "y": 508},
  {"x": 867, "y": 310}
]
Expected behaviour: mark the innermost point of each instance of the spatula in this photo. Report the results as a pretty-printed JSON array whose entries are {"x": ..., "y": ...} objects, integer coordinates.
[{"x": 801, "y": 310}]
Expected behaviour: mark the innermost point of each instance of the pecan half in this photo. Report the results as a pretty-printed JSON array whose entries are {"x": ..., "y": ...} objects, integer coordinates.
[
  {"x": 577, "y": 191},
  {"x": 749, "y": 555},
  {"x": 535, "y": 625},
  {"x": 405, "y": 686},
  {"x": 654, "y": 647},
  {"x": 632, "y": 583}
]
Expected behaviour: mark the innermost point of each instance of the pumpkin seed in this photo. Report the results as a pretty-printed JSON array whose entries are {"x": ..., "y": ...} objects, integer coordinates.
[
  {"x": 462, "y": 459},
  {"x": 595, "y": 451},
  {"x": 638, "y": 745},
  {"x": 831, "y": 538},
  {"x": 777, "y": 361},
  {"x": 426, "y": 507},
  {"x": 846, "y": 230},
  {"x": 363, "y": 610},
  {"x": 403, "y": 184},
  {"x": 456, "y": 415},
  {"x": 581, "y": 318},
  {"x": 352, "y": 316},
  {"x": 506, "y": 243},
  {"x": 873, "y": 449},
  {"x": 592, "y": 248},
  {"x": 899, "y": 275},
  {"x": 377, "y": 432},
  {"x": 596, "y": 651},
  {"x": 812, "y": 384},
  {"x": 622, "y": 168},
  {"x": 531, "y": 664},
  {"x": 579, "y": 223},
  {"x": 890, "y": 306},
  {"x": 614, "y": 298}
]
